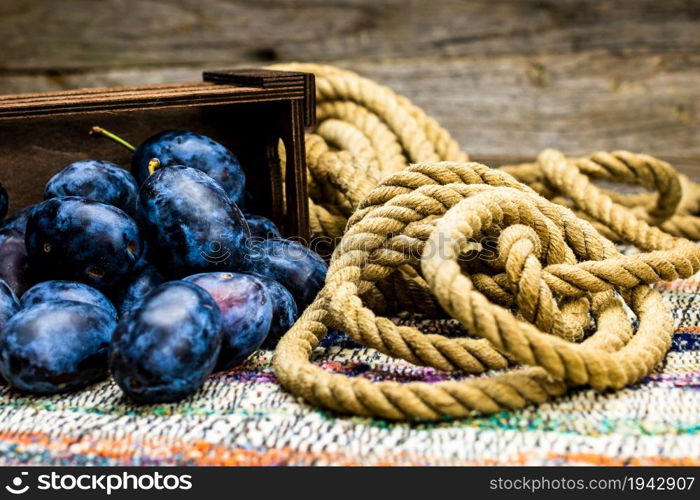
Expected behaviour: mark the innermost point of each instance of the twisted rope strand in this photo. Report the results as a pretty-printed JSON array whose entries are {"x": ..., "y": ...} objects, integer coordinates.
[{"x": 520, "y": 255}]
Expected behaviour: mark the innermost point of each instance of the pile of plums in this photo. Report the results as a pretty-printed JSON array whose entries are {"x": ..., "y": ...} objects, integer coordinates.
[{"x": 154, "y": 276}]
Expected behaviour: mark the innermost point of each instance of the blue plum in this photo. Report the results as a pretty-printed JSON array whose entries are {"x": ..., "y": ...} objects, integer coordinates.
[
  {"x": 190, "y": 224},
  {"x": 56, "y": 346},
  {"x": 146, "y": 257},
  {"x": 96, "y": 180},
  {"x": 9, "y": 304},
  {"x": 82, "y": 240},
  {"x": 165, "y": 348},
  {"x": 48, "y": 291},
  {"x": 299, "y": 269},
  {"x": 284, "y": 311},
  {"x": 262, "y": 227},
  {"x": 18, "y": 220},
  {"x": 142, "y": 282},
  {"x": 4, "y": 202},
  {"x": 246, "y": 311},
  {"x": 14, "y": 268},
  {"x": 175, "y": 147}
]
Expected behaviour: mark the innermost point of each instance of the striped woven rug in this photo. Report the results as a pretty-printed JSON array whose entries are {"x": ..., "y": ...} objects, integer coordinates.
[{"x": 244, "y": 418}]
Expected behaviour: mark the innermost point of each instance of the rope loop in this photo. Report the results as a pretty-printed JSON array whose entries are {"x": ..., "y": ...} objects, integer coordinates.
[{"x": 522, "y": 256}]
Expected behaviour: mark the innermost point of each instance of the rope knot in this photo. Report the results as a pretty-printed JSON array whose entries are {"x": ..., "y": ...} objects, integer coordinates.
[
  {"x": 553, "y": 298},
  {"x": 520, "y": 251}
]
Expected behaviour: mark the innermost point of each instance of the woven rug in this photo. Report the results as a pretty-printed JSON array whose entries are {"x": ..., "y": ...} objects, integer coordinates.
[{"x": 244, "y": 418}]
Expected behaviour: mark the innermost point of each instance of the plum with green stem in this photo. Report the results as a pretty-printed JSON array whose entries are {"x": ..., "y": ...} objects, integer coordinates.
[{"x": 177, "y": 147}]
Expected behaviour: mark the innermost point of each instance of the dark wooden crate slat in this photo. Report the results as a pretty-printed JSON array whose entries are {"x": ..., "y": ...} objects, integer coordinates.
[
  {"x": 102, "y": 90},
  {"x": 135, "y": 105},
  {"x": 269, "y": 79},
  {"x": 147, "y": 98}
]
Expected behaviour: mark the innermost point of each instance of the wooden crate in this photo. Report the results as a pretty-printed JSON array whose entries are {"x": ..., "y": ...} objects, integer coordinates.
[{"x": 249, "y": 111}]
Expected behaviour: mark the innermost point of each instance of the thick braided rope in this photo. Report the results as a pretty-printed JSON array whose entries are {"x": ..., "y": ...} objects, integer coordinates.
[
  {"x": 667, "y": 206},
  {"x": 416, "y": 241},
  {"x": 471, "y": 199},
  {"x": 369, "y": 132}
]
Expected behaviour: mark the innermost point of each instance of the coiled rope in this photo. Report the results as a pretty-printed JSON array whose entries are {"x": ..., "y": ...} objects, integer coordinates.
[{"x": 546, "y": 308}]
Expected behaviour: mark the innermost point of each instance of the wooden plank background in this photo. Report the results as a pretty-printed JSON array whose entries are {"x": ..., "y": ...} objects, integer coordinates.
[{"x": 507, "y": 78}]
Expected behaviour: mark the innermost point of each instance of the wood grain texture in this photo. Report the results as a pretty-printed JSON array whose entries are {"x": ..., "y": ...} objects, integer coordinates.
[
  {"x": 84, "y": 34},
  {"x": 507, "y": 78}
]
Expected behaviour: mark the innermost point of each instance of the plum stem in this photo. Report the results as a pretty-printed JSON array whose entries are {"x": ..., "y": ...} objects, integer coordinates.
[
  {"x": 153, "y": 164},
  {"x": 114, "y": 137}
]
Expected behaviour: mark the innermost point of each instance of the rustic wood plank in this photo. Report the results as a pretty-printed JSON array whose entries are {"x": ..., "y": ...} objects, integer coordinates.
[
  {"x": 508, "y": 108},
  {"x": 55, "y": 37},
  {"x": 507, "y": 78}
]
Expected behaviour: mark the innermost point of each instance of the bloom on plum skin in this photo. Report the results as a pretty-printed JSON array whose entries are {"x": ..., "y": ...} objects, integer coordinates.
[
  {"x": 175, "y": 147},
  {"x": 262, "y": 227},
  {"x": 14, "y": 266},
  {"x": 299, "y": 269},
  {"x": 56, "y": 346},
  {"x": 164, "y": 348},
  {"x": 141, "y": 283},
  {"x": 18, "y": 220},
  {"x": 82, "y": 240},
  {"x": 284, "y": 311},
  {"x": 53, "y": 290},
  {"x": 190, "y": 223},
  {"x": 246, "y": 311},
  {"x": 95, "y": 180},
  {"x": 9, "y": 304}
]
